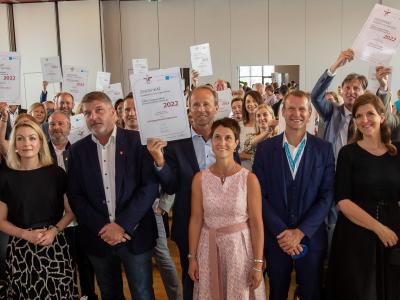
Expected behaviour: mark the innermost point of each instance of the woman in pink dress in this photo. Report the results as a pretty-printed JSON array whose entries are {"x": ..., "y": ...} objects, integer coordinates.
[{"x": 226, "y": 236}]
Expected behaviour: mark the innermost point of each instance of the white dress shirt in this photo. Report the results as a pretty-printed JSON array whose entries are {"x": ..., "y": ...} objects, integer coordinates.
[
  {"x": 106, "y": 155},
  {"x": 293, "y": 152}
]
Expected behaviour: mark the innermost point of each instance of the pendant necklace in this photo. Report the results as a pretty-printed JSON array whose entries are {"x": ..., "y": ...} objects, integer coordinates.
[{"x": 223, "y": 176}]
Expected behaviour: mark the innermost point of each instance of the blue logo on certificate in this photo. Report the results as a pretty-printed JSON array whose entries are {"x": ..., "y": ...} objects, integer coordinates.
[{"x": 167, "y": 77}]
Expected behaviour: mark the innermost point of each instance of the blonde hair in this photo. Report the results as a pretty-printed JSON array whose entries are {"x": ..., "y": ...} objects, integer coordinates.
[
  {"x": 270, "y": 111},
  {"x": 13, "y": 158},
  {"x": 36, "y": 105}
]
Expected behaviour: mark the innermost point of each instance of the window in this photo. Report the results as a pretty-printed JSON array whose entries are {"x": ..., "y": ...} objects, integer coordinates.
[{"x": 255, "y": 74}]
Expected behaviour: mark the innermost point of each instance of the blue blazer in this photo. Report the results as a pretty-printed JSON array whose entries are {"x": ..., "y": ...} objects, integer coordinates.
[
  {"x": 315, "y": 195},
  {"x": 176, "y": 178},
  {"x": 136, "y": 189}
]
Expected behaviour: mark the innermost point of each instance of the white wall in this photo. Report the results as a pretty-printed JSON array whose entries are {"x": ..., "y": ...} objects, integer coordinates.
[
  {"x": 309, "y": 33},
  {"x": 80, "y": 36},
  {"x": 4, "y": 41},
  {"x": 35, "y": 37}
]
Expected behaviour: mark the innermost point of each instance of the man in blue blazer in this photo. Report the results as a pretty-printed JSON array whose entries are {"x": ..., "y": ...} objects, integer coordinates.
[
  {"x": 296, "y": 173},
  {"x": 111, "y": 189},
  {"x": 179, "y": 162}
]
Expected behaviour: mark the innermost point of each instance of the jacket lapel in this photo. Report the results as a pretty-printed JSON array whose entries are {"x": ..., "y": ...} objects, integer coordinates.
[
  {"x": 93, "y": 159},
  {"x": 120, "y": 159},
  {"x": 308, "y": 160},
  {"x": 278, "y": 160}
]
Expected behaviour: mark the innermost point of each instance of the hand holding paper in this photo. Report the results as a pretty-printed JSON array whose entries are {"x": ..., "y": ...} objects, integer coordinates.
[
  {"x": 382, "y": 75},
  {"x": 343, "y": 58}
]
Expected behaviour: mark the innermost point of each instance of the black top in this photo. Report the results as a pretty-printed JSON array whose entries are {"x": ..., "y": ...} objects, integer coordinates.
[
  {"x": 34, "y": 198},
  {"x": 359, "y": 267}
]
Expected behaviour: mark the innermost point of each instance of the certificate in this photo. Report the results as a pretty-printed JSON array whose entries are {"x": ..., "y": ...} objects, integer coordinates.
[
  {"x": 114, "y": 91},
  {"x": 78, "y": 128},
  {"x": 160, "y": 105},
  {"x": 224, "y": 103},
  {"x": 373, "y": 83},
  {"x": 140, "y": 66},
  {"x": 102, "y": 80},
  {"x": 75, "y": 81},
  {"x": 10, "y": 77},
  {"x": 379, "y": 38},
  {"x": 51, "y": 69},
  {"x": 201, "y": 59}
]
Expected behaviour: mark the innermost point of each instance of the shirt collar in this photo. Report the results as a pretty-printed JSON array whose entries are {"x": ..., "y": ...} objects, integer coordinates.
[
  {"x": 347, "y": 112},
  {"x": 111, "y": 139},
  {"x": 56, "y": 149},
  {"x": 286, "y": 141}
]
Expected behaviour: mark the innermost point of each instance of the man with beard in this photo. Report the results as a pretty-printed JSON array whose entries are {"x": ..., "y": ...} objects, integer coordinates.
[{"x": 59, "y": 129}]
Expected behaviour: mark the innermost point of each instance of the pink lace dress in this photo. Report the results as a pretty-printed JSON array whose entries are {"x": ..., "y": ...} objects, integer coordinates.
[{"x": 225, "y": 254}]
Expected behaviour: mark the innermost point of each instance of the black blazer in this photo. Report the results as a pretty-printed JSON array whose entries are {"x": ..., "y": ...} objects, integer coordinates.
[
  {"x": 136, "y": 189},
  {"x": 65, "y": 154}
]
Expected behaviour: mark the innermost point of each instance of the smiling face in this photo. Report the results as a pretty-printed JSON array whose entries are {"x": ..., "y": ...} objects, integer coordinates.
[
  {"x": 368, "y": 120},
  {"x": 350, "y": 91},
  {"x": 27, "y": 142},
  {"x": 263, "y": 118},
  {"x": 223, "y": 142},
  {"x": 202, "y": 107},
  {"x": 237, "y": 110},
  {"x": 39, "y": 114},
  {"x": 129, "y": 114},
  {"x": 250, "y": 104},
  {"x": 100, "y": 117},
  {"x": 296, "y": 112}
]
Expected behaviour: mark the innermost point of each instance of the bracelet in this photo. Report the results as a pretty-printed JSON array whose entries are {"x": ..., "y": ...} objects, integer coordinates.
[
  {"x": 190, "y": 256},
  {"x": 257, "y": 270},
  {"x": 258, "y": 261},
  {"x": 56, "y": 227}
]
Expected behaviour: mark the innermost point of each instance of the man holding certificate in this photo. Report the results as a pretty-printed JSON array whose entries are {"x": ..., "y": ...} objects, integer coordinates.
[{"x": 176, "y": 165}]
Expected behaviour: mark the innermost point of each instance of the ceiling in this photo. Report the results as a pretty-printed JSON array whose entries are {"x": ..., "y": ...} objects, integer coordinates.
[{"x": 29, "y": 1}]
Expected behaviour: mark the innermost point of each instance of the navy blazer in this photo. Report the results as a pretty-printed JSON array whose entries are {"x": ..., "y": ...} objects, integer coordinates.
[
  {"x": 136, "y": 189},
  {"x": 316, "y": 193},
  {"x": 176, "y": 178}
]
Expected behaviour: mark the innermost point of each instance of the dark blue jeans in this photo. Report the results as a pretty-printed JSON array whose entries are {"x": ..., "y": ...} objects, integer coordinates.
[{"x": 138, "y": 270}]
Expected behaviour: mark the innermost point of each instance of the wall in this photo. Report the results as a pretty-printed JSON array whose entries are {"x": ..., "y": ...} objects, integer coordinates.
[
  {"x": 36, "y": 37},
  {"x": 4, "y": 41},
  {"x": 309, "y": 33}
]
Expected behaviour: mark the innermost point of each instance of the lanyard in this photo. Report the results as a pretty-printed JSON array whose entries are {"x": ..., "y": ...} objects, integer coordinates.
[{"x": 293, "y": 162}]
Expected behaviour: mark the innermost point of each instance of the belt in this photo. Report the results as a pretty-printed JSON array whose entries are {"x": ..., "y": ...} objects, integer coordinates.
[{"x": 215, "y": 282}]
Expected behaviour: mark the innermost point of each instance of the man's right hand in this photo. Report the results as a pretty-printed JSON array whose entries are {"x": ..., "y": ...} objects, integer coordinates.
[
  {"x": 155, "y": 147},
  {"x": 343, "y": 58}
]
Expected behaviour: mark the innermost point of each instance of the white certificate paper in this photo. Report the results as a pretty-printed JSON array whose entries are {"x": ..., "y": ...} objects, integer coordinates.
[
  {"x": 224, "y": 103},
  {"x": 201, "y": 59},
  {"x": 78, "y": 128},
  {"x": 114, "y": 91},
  {"x": 51, "y": 69},
  {"x": 160, "y": 105},
  {"x": 102, "y": 80},
  {"x": 379, "y": 38},
  {"x": 10, "y": 77},
  {"x": 140, "y": 66},
  {"x": 75, "y": 81}
]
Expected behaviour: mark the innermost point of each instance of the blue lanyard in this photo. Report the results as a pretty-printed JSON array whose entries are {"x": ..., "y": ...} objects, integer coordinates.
[{"x": 293, "y": 162}]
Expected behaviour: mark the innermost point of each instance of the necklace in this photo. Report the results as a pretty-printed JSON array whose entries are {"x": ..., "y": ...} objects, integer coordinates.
[{"x": 223, "y": 176}]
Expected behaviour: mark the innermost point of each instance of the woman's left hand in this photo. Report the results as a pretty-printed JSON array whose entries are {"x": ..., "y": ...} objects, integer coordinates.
[
  {"x": 255, "y": 279},
  {"x": 48, "y": 237}
]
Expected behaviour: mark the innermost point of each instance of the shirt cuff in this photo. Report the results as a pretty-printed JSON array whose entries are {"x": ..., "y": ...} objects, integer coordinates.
[
  {"x": 158, "y": 169},
  {"x": 330, "y": 74}
]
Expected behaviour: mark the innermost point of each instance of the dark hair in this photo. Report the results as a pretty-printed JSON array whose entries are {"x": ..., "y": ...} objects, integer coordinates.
[
  {"x": 354, "y": 76},
  {"x": 369, "y": 98},
  {"x": 228, "y": 85},
  {"x": 269, "y": 87},
  {"x": 130, "y": 95},
  {"x": 283, "y": 90},
  {"x": 118, "y": 102},
  {"x": 93, "y": 96},
  {"x": 257, "y": 97},
  {"x": 237, "y": 99},
  {"x": 227, "y": 123}
]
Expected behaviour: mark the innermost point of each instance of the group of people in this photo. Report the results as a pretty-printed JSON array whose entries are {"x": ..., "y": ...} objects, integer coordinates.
[{"x": 248, "y": 199}]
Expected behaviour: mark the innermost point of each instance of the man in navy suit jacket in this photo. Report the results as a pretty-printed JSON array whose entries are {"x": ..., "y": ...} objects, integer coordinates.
[
  {"x": 111, "y": 189},
  {"x": 296, "y": 173},
  {"x": 182, "y": 160}
]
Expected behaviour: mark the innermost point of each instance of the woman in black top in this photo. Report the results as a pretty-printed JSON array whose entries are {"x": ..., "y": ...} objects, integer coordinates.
[
  {"x": 34, "y": 212},
  {"x": 364, "y": 262}
]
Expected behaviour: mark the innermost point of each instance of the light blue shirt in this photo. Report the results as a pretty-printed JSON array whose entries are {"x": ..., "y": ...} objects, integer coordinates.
[{"x": 204, "y": 154}]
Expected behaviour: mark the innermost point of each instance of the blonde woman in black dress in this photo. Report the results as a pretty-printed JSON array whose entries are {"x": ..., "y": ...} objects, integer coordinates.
[{"x": 34, "y": 212}]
